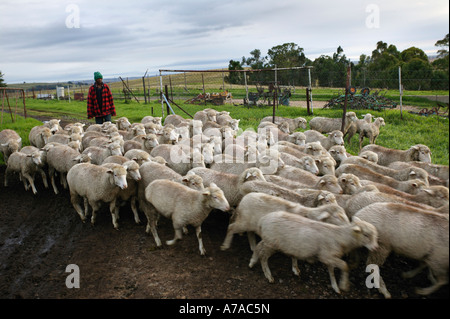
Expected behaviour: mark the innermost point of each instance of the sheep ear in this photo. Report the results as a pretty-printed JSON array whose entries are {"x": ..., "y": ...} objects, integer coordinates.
[
  {"x": 320, "y": 197},
  {"x": 19, "y": 140},
  {"x": 429, "y": 191},
  {"x": 344, "y": 180},
  {"x": 323, "y": 216},
  {"x": 318, "y": 161},
  {"x": 356, "y": 229},
  {"x": 206, "y": 192},
  {"x": 212, "y": 185},
  {"x": 412, "y": 173},
  {"x": 110, "y": 171},
  {"x": 5, "y": 144},
  {"x": 248, "y": 175}
]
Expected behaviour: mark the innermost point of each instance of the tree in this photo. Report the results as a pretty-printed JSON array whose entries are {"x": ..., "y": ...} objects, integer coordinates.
[
  {"x": 235, "y": 77},
  {"x": 413, "y": 53},
  {"x": 286, "y": 55},
  {"x": 2, "y": 84},
  {"x": 444, "y": 44},
  {"x": 255, "y": 61}
]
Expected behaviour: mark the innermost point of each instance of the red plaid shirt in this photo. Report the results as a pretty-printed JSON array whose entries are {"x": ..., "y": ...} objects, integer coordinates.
[{"x": 93, "y": 109}]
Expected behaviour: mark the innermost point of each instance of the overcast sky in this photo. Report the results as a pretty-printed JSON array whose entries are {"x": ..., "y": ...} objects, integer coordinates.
[{"x": 63, "y": 40}]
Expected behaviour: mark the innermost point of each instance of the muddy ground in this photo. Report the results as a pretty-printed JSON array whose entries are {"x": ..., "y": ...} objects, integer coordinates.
[{"x": 40, "y": 235}]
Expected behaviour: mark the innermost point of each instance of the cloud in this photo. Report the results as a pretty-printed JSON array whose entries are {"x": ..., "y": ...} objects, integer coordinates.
[{"x": 128, "y": 37}]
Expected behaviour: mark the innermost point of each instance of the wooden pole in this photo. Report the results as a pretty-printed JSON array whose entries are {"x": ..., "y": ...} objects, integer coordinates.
[
  {"x": 346, "y": 98},
  {"x": 400, "y": 90},
  {"x": 167, "y": 94},
  {"x": 307, "y": 102}
]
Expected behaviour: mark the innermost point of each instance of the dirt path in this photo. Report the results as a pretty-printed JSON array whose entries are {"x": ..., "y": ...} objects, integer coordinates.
[{"x": 40, "y": 235}]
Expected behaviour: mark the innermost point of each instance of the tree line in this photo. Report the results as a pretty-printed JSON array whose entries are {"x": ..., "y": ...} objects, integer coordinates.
[{"x": 379, "y": 70}]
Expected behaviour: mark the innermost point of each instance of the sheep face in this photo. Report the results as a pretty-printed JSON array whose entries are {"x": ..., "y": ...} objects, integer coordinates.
[
  {"x": 193, "y": 181},
  {"x": 326, "y": 198},
  {"x": 300, "y": 122},
  {"x": 329, "y": 183},
  {"x": 132, "y": 170},
  {"x": 216, "y": 198},
  {"x": 36, "y": 157},
  {"x": 365, "y": 233},
  {"x": 53, "y": 125},
  {"x": 309, "y": 164},
  {"x": 208, "y": 153},
  {"x": 423, "y": 153},
  {"x": 349, "y": 183},
  {"x": 298, "y": 138},
  {"x": 338, "y": 153},
  {"x": 119, "y": 176},
  {"x": 337, "y": 138},
  {"x": 313, "y": 149},
  {"x": 115, "y": 149}
]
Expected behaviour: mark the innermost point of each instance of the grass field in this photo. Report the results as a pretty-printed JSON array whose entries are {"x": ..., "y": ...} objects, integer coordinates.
[{"x": 398, "y": 133}]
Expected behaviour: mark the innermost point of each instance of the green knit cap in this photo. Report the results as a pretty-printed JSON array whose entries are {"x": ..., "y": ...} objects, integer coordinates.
[{"x": 97, "y": 75}]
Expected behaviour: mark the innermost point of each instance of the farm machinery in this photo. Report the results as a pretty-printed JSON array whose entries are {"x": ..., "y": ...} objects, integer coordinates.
[{"x": 364, "y": 100}]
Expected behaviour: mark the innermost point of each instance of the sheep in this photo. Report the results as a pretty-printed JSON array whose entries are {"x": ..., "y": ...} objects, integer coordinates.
[
  {"x": 64, "y": 139},
  {"x": 195, "y": 127},
  {"x": 184, "y": 206},
  {"x": 167, "y": 135},
  {"x": 363, "y": 199},
  {"x": 338, "y": 153},
  {"x": 253, "y": 206},
  {"x": 371, "y": 131},
  {"x": 370, "y": 156},
  {"x": 411, "y": 186},
  {"x": 326, "y": 165},
  {"x": 396, "y": 180},
  {"x": 39, "y": 135},
  {"x": 123, "y": 123},
  {"x": 53, "y": 125},
  {"x": 151, "y": 119},
  {"x": 333, "y": 138},
  {"x": 283, "y": 126},
  {"x": 130, "y": 193},
  {"x": 306, "y": 162},
  {"x": 414, "y": 233},
  {"x": 307, "y": 239},
  {"x": 326, "y": 124},
  {"x": 10, "y": 142},
  {"x": 98, "y": 154},
  {"x": 180, "y": 158},
  {"x": 135, "y": 130},
  {"x": 139, "y": 156},
  {"x": 355, "y": 126},
  {"x": 40, "y": 169},
  {"x": 386, "y": 156},
  {"x": 351, "y": 184},
  {"x": 26, "y": 165},
  {"x": 294, "y": 124},
  {"x": 61, "y": 159},
  {"x": 230, "y": 184},
  {"x": 326, "y": 182},
  {"x": 438, "y": 174},
  {"x": 96, "y": 184},
  {"x": 174, "y": 119}
]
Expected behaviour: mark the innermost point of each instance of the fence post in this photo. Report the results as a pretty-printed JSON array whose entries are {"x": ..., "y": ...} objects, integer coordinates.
[
  {"x": 400, "y": 90},
  {"x": 161, "y": 93},
  {"x": 246, "y": 88},
  {"x": 310, "y": 89},
  {"x": 346, "y": 97}
]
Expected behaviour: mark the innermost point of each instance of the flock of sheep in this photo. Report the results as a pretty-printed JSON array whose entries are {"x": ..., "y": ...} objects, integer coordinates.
[{"x": 300, "y": 192}]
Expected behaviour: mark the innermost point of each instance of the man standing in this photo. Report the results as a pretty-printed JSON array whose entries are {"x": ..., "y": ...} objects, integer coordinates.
[{"x": 100, "y": 102}]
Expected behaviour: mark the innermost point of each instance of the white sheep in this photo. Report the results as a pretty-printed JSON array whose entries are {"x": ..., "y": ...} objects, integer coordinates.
[
  {"x": 333, "y": 138},
  {"x": 371, "y": 131},
  {"x": 253, "y": 206},
  {"x": 206, "y": 115},
  {"x": 306, "y": 239},
  {"x": 326, "y": 124},
  {"x": 370, "y": 156},
  {"x": 97, "y": 184},
  {"x": 131, "y": 192},
  {"x": 98, "y": 154},
  {"x": 438, "y": 174},
  {"x": 294, "y": 123},
  {"x": 414, "y": 233},
  {"x": 184, "y": 206},
  {"x": 123, "y": 123},
  {"x": 26, "y": 165},
  {"x": 387, "y": 156},
  {"x": 39, "y": 135},
  {"x": 138, "y": 155},
  {"x": 10, "y": 142},
  {"x": 338, "y": 153},
  {"x": 151, "y": 119},
  {"x": 180, "y": 158},
  {"x": 230, "y": 184},
  {"x": 355, "y": 126},
  {"x": 61, "y": 159}
]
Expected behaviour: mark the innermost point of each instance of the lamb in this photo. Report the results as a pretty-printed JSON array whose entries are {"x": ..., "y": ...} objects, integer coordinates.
[
  {"x": 333, "y": 138},
  {"x": 256, "y": 205},
  {"x": 414, "y": 233},
  {"x": 363, "y": 199},
  {"x": 326, "y": 182},
  {"x": 230, "y": 184},
  {"x": 29, "y": 150},
  {"x": 130, "y": 193},
  {"x": 370, "y": 156},
  {"x": 387, "y": 156},
  {"x": 326, "y": 165},
  {"x": 206, "y": 115},
  {"x": 26, "y": 165},
  {"x": 97, "y": 184},
  {"x": 167, "y": 135},
  {"x": 61, "y": 159},
  {"x": 53, "y": 125},
  {"x": 184, "y": 206},
  {"x": 283, "y": 126},
  {"x": 123, "y": 123},
  {"x": 306, "y": 163},
  {"x": 371, "y": 131},
  {"x": 39, "y": 135},
  {"x": 10, "y": 142},
  {"x": 294, "y": 124},
  {"x": 139, "y": 156},
  {"x": 151, "y": 119},
  {"x": 307, "y": 239},
  {"x": 135, "y": 130},
  {"x": 338, "y": 153},
  {"x": 98, "y": 154},
  {"x": 396, "y": 181},
  {"x": 326, "y": 124},
  {"x": 351, "y": 184}
]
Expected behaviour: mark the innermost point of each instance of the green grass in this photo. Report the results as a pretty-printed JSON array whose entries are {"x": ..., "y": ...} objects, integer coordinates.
[{"x": 398, "y": 133}]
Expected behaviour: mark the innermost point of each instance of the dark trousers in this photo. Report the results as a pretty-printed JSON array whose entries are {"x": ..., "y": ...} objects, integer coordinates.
[{"x": 103, "y": 119}]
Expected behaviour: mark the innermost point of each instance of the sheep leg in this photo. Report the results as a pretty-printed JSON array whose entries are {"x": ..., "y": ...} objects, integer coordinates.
[
  {"x": 44, "y": 177},
  {"x": 74, "y": 198},
  {"x": 229, "y": 237},
  {"x": 31, "y": 181},
  {"x": 342, "y": 265},
  {"x": 51, "y": 172},
  {"x": 414, "y": 272},
  {"x": 134, "y": 209},
  {"x": 378, "y": 257},
  {"x": 198, "y": 232},
  {"x": 178, "y": 235},
  {"x": 86, "y": 206},
  {"x": 64, "y": 180},
  {"x": 441, "y": 279},
  {"x": 114, "y": 209},
  {"x": 251, "y": 240},
  {"x": 264, "y": 254},
  {"x": 295, "y": 268},
  {"x": 95, "y": 207},
  {"x": 152, "y": 219}
]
